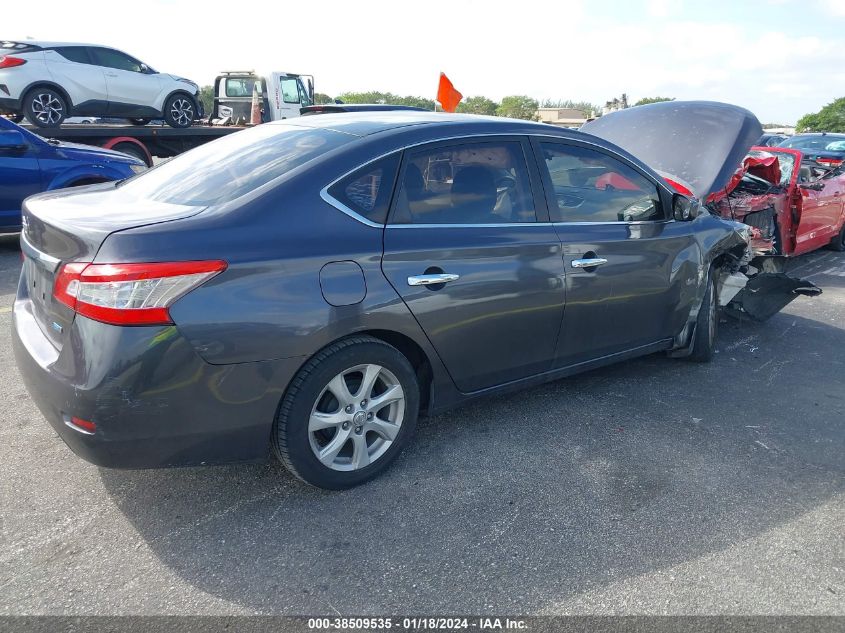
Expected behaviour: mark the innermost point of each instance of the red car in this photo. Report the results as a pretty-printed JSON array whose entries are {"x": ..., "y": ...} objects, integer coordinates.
[{"x": 794, "y": 205}]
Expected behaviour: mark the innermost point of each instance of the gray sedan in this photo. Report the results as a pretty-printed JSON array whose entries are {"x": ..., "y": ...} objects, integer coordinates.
[{"x": 309, "y": 288}]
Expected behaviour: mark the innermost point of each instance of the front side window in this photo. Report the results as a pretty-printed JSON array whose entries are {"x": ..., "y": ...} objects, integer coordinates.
[
  {"x": 304, "y": 98},
  {"x": 78, "y": 54},
  {"x": 111, "y": 58},
  {"x": 367, "y": 191},
  {"x": 589, "y": 186},
  {"x": 467, "y": 183},
  {"x": 290, "y": 89}
]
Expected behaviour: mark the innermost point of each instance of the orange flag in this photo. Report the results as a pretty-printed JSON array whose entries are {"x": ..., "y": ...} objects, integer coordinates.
[{"x": 448, "y": 97}]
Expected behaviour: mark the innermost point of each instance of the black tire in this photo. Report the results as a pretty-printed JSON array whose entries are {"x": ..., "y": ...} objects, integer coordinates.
[
  {"x": 132, "y": 150},
  {"x": 838, "y": 242},
  {"x": 180, "y": 110},
  {"x": 707, "y": 324},
  {"x": 139, "y": 122},
  {"x": 293, "y": 441},
  {"x": 45, "y": 107}
]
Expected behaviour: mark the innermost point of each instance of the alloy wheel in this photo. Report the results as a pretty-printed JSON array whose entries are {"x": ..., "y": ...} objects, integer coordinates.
[
  {"x": 47, "y": 109},
  {"x": 182, "y": 111},
  {"x": 356, "y": 417}
]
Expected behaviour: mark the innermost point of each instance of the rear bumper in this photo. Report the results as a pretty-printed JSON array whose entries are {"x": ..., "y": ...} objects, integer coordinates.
[{"x": 154, "y": 401}]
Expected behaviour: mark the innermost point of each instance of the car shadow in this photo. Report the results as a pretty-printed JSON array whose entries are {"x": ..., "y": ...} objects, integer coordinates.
[{"x": 516, "y": 503}]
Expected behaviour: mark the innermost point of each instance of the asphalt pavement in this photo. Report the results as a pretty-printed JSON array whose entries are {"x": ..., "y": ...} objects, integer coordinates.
[{"x": 656, "y": 486}]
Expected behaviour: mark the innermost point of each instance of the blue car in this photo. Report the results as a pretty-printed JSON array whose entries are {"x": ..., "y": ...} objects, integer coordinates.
[{"x": 30, "y": 164}]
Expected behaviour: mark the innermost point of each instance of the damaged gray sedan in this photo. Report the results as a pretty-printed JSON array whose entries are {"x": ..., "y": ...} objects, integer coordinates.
[{"x": 307, "y": 288}]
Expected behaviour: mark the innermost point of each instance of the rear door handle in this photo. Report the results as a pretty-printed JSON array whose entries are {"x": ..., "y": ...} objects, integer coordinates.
[
  {"x": 590, "y": 262},
  {"x": 432, "y": 280},
  {"x": 111, "y": 74}
]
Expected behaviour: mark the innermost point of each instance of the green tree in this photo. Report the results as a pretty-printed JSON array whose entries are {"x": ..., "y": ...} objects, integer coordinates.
[
  {"x": 207, "y": 99},
  {"x": 417, "y": 102},
  {"x": 830, "y": 118},
  {"x": 375, "y": 96},
  {"x": 321, "y": 98},
  {"x": 647, "y": 100},
  {"x": 518, "y": 107},
  {"x": 585, "y": 106},
  {"x": 366, "y": 97},
  {"x": 478, "y": 105}
]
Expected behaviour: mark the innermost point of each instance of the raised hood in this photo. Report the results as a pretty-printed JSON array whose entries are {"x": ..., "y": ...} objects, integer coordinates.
[{"x": 699, "y": 144}]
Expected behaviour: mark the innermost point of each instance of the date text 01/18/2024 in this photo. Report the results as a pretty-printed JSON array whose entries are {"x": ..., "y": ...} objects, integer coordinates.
[{"x": 416, "y": 623}]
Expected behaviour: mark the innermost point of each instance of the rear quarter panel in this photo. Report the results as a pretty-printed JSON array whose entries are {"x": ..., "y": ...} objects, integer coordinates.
[{"x": 269, "y": 303}]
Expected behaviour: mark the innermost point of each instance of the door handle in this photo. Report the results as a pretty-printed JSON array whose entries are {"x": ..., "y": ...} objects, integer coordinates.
[
  {"x": 111, "y": 75},
  {"x": 590, "y": 262},
  {"x": 432, "y": 280}
]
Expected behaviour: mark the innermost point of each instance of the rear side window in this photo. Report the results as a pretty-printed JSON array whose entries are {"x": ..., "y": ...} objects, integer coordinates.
[
  {"x": 78, "y": 54},
  {"x": 367, "y": 191},
  {"x": 589, "y": 186},
  {"x": 111, "y": 58},
  {"x": 234, "y": 165}
]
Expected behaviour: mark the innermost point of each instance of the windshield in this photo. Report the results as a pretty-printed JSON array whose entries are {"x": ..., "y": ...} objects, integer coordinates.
[
  {"x": 234, "y": 165},
  {"x": 830, "y": 142},
  {"x": 786, "y": 161}
]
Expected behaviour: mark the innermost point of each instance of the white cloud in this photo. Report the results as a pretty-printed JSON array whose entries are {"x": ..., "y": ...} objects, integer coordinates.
[
  {"x": 836, "y": 7},
  {"x": 562, "y": 49},
  {"x": 664, "y": 8}
]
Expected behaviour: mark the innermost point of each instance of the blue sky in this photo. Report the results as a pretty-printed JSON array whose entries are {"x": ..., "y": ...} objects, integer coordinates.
[{"x": 779, "y": 58}]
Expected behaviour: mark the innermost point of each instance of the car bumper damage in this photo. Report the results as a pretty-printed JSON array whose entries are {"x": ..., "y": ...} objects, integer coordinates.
[{"x": 747, "y": 292}]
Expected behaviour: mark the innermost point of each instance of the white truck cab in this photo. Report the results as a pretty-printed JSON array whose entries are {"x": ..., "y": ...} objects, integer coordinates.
[{"x": 281, "y": 95}]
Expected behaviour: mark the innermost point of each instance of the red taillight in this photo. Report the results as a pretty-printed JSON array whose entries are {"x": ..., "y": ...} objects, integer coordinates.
[
  {"x": 833, "y": 162},
  {"x": 130, "y": 294},
  {"x": 81, "y": 425},
  {"x": 10, "y": 62}
]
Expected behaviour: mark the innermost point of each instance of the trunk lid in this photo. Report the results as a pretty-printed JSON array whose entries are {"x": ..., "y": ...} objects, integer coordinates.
[
  {"x": 699, "y": 143},
  {"x": 70, "y": 226}
]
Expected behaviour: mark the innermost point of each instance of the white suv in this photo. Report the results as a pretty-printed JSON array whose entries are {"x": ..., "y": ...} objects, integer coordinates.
[{"x": 49, "y": 81}]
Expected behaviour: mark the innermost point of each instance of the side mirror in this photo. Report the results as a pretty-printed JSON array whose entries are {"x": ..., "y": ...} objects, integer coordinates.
[
  {"x": 812, "y": 186},
  {"x": 147, "y": 70},
  {"x": 684, "y": 209},
  {"x": 12, "y": 141}
]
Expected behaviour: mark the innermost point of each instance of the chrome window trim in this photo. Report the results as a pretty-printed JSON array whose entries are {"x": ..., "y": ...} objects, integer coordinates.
[
  {"x": 337, "y": 204},
  {"x": 465, "y": 226}
]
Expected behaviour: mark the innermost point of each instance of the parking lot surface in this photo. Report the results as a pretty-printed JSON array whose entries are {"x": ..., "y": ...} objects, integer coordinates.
[{"x": 655, "y": 486}]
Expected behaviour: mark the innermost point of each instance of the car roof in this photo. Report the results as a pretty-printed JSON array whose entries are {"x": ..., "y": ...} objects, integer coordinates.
[
  {"x": 45, "y": 44},
  {"x": 373, "y": 122}
]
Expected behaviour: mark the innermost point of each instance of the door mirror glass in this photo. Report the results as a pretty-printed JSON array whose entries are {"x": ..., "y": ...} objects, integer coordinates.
[
  {"x": 11, "y": 140},
  {"x": 684, "y": 209}
]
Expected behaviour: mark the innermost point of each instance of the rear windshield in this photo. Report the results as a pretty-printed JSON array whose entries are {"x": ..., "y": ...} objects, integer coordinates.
[{"x": 234, "y": 165}]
